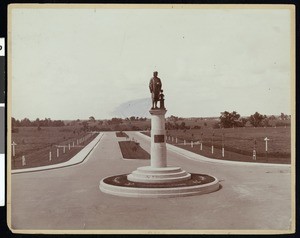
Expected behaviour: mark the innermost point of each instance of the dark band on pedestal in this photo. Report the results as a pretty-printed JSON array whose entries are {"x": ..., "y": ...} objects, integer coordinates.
[{"x": 159, "y": 138}]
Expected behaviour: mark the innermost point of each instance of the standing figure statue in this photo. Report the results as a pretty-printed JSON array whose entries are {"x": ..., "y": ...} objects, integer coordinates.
[
  {"x": 162, "y": 100},
  {"x": 155, "y": 88}
]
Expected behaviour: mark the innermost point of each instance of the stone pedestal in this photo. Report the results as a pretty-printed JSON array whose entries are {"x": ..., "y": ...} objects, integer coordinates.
[
  {"x": 158, "y": 171},
  {"x": 158, "y": 138}
]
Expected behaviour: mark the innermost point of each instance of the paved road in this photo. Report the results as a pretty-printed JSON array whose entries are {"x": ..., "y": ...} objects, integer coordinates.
[{"x": 252, "y": 196}]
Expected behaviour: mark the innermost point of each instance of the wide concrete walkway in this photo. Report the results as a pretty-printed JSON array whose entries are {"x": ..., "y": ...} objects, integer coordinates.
[{"x": 252, "y": 197}]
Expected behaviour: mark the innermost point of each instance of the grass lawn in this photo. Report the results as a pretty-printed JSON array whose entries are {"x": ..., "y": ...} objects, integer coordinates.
[
  {"x": 132, "y": 150},
  {"x": 35, "y": 145},
  {"x": 238, "y": 143},
  {"x": 121, "y": 134}
]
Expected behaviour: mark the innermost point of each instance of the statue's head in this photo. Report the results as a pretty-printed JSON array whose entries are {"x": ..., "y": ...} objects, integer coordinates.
[{"x": 155, "y": 73}]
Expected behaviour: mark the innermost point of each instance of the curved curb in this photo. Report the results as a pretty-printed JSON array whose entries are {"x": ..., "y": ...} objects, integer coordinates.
[
  {"x": 168, "y": 192},
  {"x": 63, "y": 164}
]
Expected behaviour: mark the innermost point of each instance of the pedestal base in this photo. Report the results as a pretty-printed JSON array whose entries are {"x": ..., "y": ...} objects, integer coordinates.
[
  {"x": 198, "y": 184},
  {"x": 150, "y": 174}
]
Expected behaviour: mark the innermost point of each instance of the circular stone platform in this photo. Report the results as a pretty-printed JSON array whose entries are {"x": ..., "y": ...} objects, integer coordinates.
[
  {"x": 197, "y": 184},
  {"x": 148, "y": 174}
]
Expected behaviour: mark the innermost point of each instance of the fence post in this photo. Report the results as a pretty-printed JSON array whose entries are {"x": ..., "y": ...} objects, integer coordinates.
[
  {"x": 57, "y": 152},
  {"x": 266, "y": 141},
  {"x": 184, "y": 142},
  {"x": 64, "y": 149},
  {"x": 254, "y": 150},
  {"x": 192, "y": 144},
  {"x": 254, "y": 154},
  {"x": 212, "y": 143},
  {"x": 13, "y": 148},
  {"x": 223, "y": 143},
  {"x": 23, "y": 160},
  {"x": 201, "y": 140},
  {"x": 50, "y": 156}
]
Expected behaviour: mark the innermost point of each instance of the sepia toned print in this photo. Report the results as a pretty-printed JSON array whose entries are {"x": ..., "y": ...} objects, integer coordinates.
[{"x": 204, "y": 147}]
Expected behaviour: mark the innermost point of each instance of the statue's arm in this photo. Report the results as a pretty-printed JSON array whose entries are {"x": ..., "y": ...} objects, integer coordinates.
[{"x": 151, "y": 86}]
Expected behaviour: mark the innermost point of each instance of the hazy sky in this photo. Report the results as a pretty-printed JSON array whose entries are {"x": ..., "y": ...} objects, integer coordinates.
[{"x": 76, "y": 63}]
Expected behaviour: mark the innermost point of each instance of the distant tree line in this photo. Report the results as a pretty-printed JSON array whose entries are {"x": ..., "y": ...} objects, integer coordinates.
[
  {"x": 133, "y": 118},
  {"x": 177, "y": 126},
  {"x": 113, "y": 124},
  {"x": 226, "y": 120},
  {"x": 116, "y": 120},
  {"x": 233, "y": 119},
  {"x": 38, "y": 123},
  {"x": 174, "y": 118}
]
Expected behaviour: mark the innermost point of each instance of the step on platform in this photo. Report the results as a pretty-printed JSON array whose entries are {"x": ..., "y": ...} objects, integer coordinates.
[{"x": 148, "y": 174}]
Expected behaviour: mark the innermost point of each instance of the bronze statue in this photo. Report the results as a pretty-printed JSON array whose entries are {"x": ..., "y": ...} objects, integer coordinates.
[
  {"x": 161, "y": 100},
  {"x": 155, "y": 88}
]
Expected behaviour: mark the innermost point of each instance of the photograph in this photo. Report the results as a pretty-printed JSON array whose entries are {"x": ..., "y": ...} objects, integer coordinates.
[{"x": 151, "y": 118}]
